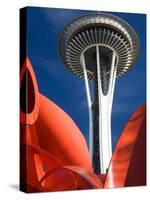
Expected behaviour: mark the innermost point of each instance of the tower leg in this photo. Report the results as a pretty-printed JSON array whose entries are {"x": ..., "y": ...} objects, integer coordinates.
[
  {"x": 100, "y": 144},
  {"x": 89, "y": 101},
  {"x": 105, "y": 107}
]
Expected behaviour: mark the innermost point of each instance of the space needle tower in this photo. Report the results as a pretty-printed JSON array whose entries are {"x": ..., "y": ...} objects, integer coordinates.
[{"x": 99, "y": 47}]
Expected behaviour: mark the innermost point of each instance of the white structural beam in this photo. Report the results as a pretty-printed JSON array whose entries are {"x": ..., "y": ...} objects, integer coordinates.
[
  {"x": 89, "y": 107},
  {"x": 105, "y": 108}
]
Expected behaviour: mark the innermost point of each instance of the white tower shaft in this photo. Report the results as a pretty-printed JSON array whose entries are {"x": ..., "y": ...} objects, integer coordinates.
[{"x": 104, "y": 112}]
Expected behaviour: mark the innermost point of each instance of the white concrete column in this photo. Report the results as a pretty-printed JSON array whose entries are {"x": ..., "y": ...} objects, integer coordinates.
[
  {"x": 105, "y": 108},
  {"x": 89, "y": 107}
]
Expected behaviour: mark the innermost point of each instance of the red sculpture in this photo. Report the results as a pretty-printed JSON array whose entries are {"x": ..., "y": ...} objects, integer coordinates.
[{"x": 54, "y": 155}]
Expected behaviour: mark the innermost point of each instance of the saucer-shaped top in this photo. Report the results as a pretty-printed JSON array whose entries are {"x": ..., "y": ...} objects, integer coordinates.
[{"x": 100, "y": 29}]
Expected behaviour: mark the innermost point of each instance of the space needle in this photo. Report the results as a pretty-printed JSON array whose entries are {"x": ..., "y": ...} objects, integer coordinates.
[{"x": 99, "y": 47}]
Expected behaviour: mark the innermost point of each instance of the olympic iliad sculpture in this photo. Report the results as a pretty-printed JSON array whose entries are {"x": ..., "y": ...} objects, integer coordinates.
[{"x": 99, "y": 47}]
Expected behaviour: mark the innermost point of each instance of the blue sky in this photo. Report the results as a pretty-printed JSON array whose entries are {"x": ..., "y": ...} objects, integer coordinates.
[{"x": 68, "y": 91}]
